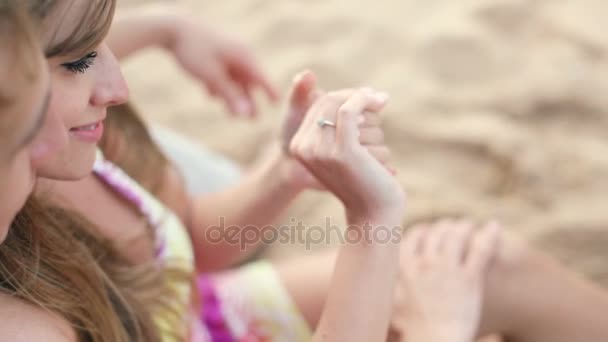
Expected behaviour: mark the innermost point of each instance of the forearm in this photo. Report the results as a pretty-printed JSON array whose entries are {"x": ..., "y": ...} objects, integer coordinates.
[
  {"x": 140, "y": 28},
  {"x": 257, "y": 202},
  {"x": 360, "y": 298}
]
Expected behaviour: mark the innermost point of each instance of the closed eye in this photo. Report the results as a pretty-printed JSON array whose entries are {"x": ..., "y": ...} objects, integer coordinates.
[{"x": 80, "y": 66}]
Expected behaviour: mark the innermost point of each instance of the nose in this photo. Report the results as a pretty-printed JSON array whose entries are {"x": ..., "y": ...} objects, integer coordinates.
[
  {"x": 51, "y": 139},
  {"x": 110, "y": 88}
]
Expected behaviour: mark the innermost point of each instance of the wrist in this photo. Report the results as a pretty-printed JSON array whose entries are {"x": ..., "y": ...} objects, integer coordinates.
[
  {"x": 382, "y": 230},
  {"x": 277, "y": 168},
  {"x": 282, "y": 166},
  {"x": 387, "y": 214},
  {"x": 390, "y": 206}
]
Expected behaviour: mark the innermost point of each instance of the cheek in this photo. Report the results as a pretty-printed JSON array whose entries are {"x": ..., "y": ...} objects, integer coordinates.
[
  {"x": 70, "y": 97},
  {"x": 74, "y": 162},
  {"x": 41, "y": 153},
  {"x": 52, "y": 139}
]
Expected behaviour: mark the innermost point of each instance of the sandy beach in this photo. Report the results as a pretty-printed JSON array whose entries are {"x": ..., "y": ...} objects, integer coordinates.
[{"x": 499, "y": 108}]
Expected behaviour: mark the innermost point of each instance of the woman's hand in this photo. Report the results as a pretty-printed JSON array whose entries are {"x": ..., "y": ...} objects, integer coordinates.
[
  {"x": 226, "y": 67},
  {"x": 328, "y": 143},
  {"x": 356, "y": 173},
  {"x": 441, "y": 286},
  {"x": 303, "y": 94}
]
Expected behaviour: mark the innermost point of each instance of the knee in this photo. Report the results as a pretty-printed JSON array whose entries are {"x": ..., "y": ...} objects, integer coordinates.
[{"x": 514, "y": 258}]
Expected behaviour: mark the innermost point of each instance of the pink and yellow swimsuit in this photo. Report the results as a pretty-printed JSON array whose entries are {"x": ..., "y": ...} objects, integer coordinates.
[{"x": 246, "y": 304}]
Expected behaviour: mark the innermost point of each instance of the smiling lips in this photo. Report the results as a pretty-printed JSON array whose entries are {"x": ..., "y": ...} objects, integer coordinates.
[
  {"x": 89, "y": 133},
  {"x": 87, "y": 128}
]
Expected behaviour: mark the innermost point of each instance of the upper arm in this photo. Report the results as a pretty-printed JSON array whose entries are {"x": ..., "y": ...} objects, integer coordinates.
[{"x": 21, "y": 322}]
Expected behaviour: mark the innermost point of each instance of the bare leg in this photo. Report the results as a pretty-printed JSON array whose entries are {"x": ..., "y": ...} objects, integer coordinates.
[
  {"x": 307, "y": 279},
  {"x": 529, "y": 296}
]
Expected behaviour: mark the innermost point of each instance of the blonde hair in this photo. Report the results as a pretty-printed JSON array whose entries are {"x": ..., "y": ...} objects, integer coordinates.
[
  {"x": 22, "y": 53},
  {"x": 88, "y": 32},
  {"x": 16, "y": 27},
  {"x": 53, "y": 258},
  {"x": 47, "y": 260}
]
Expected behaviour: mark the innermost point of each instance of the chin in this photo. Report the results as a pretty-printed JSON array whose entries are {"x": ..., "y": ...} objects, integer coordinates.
[
  {"x": 80, "y": 168},
  {"x": 72, "y": 166},
  {"x": 77, "y": 174}
]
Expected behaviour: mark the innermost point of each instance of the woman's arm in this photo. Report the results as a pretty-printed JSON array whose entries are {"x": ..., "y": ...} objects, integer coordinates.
[
  {"x": 241, "y": 212},
  {"x": 359, "y": 302},
  {"x": 360, "y": 298},
  {"x": 226, "y": 67},
  {"x": 141, "y": 28},
  {"x": 226, "y": 227}
]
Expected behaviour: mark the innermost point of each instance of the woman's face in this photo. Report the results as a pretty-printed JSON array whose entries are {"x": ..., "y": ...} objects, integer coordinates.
[
  {"x": 29, "y": 135},
  {"x": 83, "y": 87}
]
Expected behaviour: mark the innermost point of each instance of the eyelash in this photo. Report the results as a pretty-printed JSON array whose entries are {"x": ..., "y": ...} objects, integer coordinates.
[{"x": 80, "y": 66}]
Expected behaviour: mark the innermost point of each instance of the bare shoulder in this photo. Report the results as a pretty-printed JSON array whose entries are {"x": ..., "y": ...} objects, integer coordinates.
[{"x": 22, "y": 322}]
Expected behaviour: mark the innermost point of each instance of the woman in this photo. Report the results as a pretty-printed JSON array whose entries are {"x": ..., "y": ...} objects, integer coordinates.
[
  {"x": 20, "y": 152},
  {"x": 82, "y": 99},
  {"x": 512, "y": 298},
  {"x": 34, "y": 274},
  {"x": 29, "y": 134},
  {"x": 85, "y": 83}
]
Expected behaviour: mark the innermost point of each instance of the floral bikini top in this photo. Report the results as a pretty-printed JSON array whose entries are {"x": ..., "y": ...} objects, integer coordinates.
[{"x": 172, "y": 241}]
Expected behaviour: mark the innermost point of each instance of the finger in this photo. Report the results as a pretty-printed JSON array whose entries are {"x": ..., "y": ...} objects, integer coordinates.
[
  {"x": 348, "y": 125},
  {"x": 456, "y": 242},
  {"x": 302, "y": 92},
  {"x": 366, "y": 101},
  {"x": 210, "y": 91},
  {"x": 435, "y": 238},
  {"x": 380, "y": 152},
  {"x": 371, "y": 119},
  {"x": 393, "y": 171},
  {"x": 328, "y": 133},
  {"x": 319, "y": 139},
  {"x": 371, "y": 136},
  {"x": 248, "y": 94},
  {"x": 482, "y": 248},
  {"x": 314, "y": 96},
  {"x": 413, "y": 243},
  {"x": 259, "y": 78},
  {"x": 271, "y": 92},
  {"x": 235, "y": 99},
  {"x": 326, "y": 107},
  {"x": 299, "y": 102}
]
